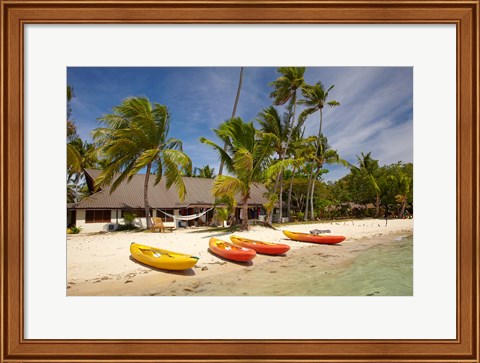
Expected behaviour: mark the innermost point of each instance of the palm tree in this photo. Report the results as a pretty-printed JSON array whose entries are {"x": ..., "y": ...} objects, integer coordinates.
[
  {"x": 324, "y": 155},
  {"x": 71, "y": 128},
  {"x": 85, "y": 156},
  {"x": 246, "y": 158},
  {"x": 230, "y": 204},
  {"x": 205, "y": 172},
  {"x": 403, "y": 184},
  {"x": 239, "y": 88},
  {"x": 302, "y": 151},
  {"x": 271, "y": 122},
  {"x": 369, "y": 166},
  {"x": 315, "y": 98},
  {"x": 73, "y": 156},
  {"x": 136, "y": 137},
  {"x": 285, "y": 90}
]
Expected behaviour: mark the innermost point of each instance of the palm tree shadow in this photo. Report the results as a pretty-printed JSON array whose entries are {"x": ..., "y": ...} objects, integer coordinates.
[
  {"x": 189, "y": 272},
  {"x": 218, "y": 234},
  {"x": 283, "y": 255},
  {"x": 239, "y": 263}
]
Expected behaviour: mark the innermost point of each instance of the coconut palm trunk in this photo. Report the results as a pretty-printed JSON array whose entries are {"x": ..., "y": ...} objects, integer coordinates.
[
  {"x": 245, "y": 211},
  {"x": 277, "y": 181},
  {"x": 311, "y": 179},
  {"x": 402, "y": 208},
  {"x": 240, "y": 81},
  {"x": 315, "y": 97},
  {"x": 312, "y": 216},
  {"x": 289, "y": 139},
  {"x": 286, "y": 88},
  {"x": 309, "y": 187},
  {"x": 312, "y": 192},
  {"x": 377, "y": 205},
  {"x": 290, "y": 191},
  {"x": 145, "y": 196}
]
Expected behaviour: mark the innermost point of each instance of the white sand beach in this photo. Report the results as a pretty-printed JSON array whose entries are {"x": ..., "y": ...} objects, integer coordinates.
[{"x": 100, "y": 264}]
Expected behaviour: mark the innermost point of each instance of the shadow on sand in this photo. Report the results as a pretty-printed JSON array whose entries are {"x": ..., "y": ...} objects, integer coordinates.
[{"x": 239, "y": 263}]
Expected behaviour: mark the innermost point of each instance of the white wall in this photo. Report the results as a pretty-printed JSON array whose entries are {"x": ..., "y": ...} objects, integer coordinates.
[
  {"x": 90, "y": 227},
  {"x": 98, "y": 227}
]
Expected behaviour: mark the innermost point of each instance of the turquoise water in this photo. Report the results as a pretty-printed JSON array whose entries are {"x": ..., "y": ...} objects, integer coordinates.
[{"x": 385, "y": 269}]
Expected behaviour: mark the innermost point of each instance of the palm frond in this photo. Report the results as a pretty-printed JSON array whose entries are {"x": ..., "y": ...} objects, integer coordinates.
[
  {"x": 227, "y": 185},
  {"x": 223, "y": 155},
  {"x": 243, "y": 164},
  {"x": 174, "y": 161},
  {"x": 147, "y": 157},
  {"x": 277, "y": 167},
  {"x": 74, "y": 159}
]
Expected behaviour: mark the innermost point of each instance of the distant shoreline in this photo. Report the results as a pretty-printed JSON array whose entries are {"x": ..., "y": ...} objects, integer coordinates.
[{"x": 101, "y": 264}]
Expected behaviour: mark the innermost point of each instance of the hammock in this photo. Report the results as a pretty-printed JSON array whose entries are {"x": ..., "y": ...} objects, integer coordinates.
[{"x": 186, "y": 218}]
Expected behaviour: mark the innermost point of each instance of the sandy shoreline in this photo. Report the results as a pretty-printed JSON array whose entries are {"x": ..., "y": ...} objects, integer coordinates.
[{"x": 100, "y": 264}]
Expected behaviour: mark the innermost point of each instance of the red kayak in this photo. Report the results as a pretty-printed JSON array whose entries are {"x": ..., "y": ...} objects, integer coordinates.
[
  {"x": 314, "y": 238},
  {"x": 268, "y": 248},
  {"x": 230, "y": 251}
]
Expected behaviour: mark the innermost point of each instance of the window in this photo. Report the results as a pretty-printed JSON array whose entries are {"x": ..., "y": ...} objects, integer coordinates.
[
  {"x": 98, "y": 216},
  {"x": 164, "y": 217},
  {"x": 139, "y": 213}
]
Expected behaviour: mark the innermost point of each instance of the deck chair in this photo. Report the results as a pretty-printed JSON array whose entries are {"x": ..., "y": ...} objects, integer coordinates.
[{"x": 158, "y": 225}]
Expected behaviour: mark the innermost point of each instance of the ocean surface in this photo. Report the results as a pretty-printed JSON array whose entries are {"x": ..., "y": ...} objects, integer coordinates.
[{"x": 385, "y": 269}]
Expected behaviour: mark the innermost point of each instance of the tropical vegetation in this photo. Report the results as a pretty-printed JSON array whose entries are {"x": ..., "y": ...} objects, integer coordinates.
[
  {"x": 273, "y": 149},
  {"x": 246, "y": 158},
  {"x": 136, "y": 138}
]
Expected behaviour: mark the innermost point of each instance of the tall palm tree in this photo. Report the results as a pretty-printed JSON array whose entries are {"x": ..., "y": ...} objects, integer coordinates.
[
  {"x": 324, "y": 155},
  {"x": 271, "y": 122},
  {"x": 246, "y": 158},
  {"x": 315, "y": 98},
  {"x": 136, "y": 137},
  {"x": 302, "y": 151},
  {"x": 239, "y": 88},
  {"x": 286, "y": 90},
  {"x": 369, "y": 166},
  {"x": 73, "y": 156},
  {"x": 71, "y": 128}
]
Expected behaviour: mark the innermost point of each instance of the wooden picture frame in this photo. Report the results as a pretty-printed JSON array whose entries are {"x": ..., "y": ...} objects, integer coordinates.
[{"x": 16, "y": 13}]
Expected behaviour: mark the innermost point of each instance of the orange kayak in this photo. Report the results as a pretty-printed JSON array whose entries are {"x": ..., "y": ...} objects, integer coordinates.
[
  {"x": 314, "y": 238},
  {"x": 230, "y": 251},
  {"x": 268, "y": 248}
]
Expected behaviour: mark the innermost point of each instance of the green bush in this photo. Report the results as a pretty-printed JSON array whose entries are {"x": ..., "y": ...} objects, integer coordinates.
[
  {"x": 128, "y": 218},
  {"x": 222, "y": 215},
  {"x": 126, "y": 227},
  {"x": 74, "y": 230}
]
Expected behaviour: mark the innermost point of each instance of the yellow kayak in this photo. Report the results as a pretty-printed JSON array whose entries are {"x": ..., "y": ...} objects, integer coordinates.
[{"x": 163, "y": 259}]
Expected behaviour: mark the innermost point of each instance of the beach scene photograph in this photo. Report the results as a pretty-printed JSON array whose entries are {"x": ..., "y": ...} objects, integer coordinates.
[{"x": 239, "y": 181}]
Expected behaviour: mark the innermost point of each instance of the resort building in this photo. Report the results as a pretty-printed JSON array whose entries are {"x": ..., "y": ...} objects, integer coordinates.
[{"x": 103, "y": 210}]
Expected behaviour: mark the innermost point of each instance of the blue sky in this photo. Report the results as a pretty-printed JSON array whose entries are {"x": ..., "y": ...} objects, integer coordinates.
[{"x": 375, "y": 113}]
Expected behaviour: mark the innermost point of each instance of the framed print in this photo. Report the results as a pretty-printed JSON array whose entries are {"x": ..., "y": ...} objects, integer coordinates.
[{"x": 53, "y": 308}]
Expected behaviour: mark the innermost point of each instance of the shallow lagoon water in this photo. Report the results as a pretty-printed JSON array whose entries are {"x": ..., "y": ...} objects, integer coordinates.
[{"x": 385, "y": 269}]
